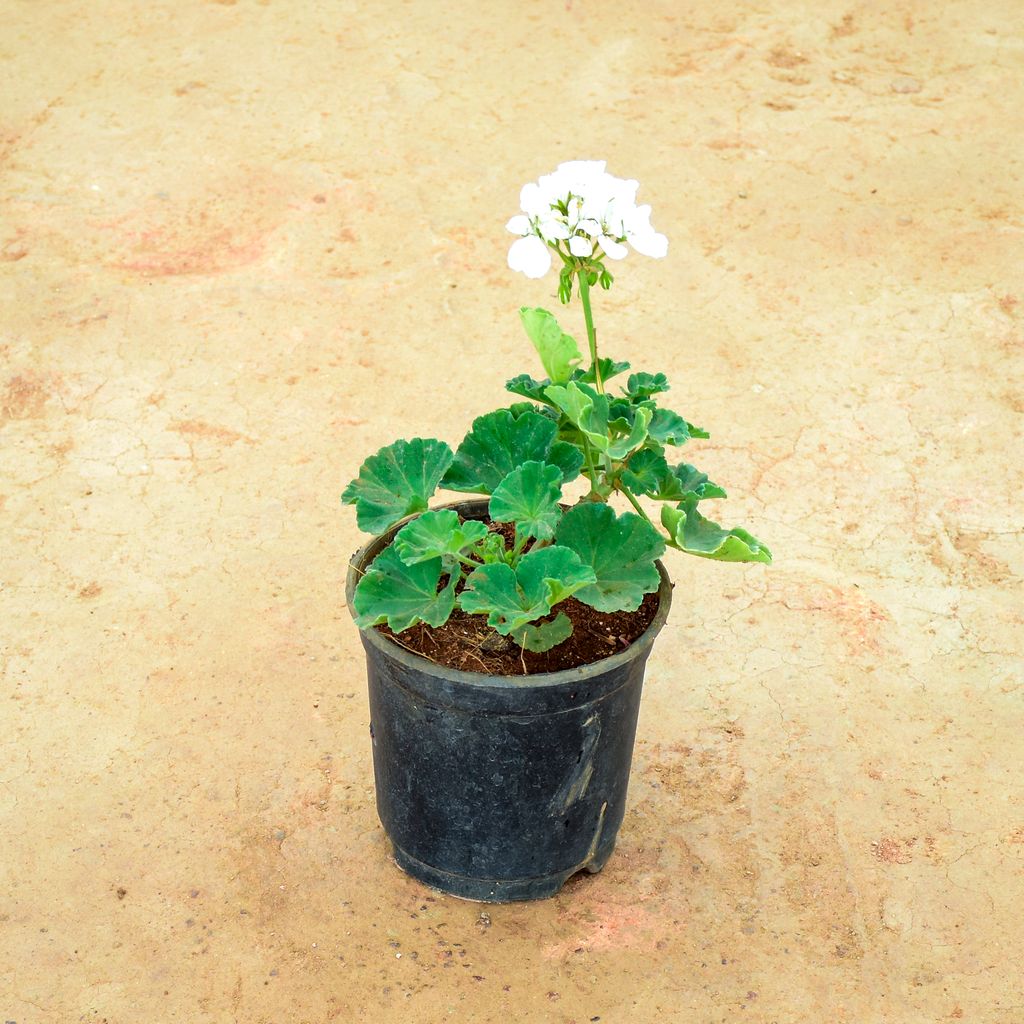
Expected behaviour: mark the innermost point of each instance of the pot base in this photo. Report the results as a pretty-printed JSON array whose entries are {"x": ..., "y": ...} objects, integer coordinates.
[{"x": 504, "y": 890}]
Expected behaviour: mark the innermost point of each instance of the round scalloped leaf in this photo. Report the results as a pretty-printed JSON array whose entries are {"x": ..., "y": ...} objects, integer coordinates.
[
  {"x": 645, "y": 471},
  {"x": 699, "y": 536},
  {"x": 396, "y": 482},
  {"x": 691, "y": 480},
  {"x": 402, "y": 595},
  {"x": 567, "y": 457},
  {"x": 621, "y": 551},
  {"x": 528, "y": 497},
  {"x": 523, "y": 384},
  {"x": 543, "y": 636},
  {"x": 498, "y": 443},
  {"x": 609, "y": 368},
  {"x": 669, "y": 427},
  {"x": 492, "y": 590},
  {"x": 437, "y": 534},
  {"x": 648, "y": 473},
  {"x": 513, "y": 598},
  {"x": 643, "y": 385}
]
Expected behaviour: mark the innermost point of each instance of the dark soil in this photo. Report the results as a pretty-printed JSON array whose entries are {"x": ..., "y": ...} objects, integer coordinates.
[{"x": 466, "y": 642}]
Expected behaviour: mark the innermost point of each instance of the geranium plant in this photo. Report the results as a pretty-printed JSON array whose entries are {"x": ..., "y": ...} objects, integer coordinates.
[{"x": 570, "y": 426}]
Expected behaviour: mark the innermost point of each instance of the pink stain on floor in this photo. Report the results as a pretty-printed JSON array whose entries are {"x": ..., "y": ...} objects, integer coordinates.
[
  {"x": 208, "y": 227},
  {"x": 606, "y": 926},
  {"x": 858, "y": 618},
  {"x": 160, "y": 255}
]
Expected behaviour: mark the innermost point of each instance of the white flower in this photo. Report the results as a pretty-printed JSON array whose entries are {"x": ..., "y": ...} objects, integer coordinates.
[
  {"x": 587, "y": 208},
  {"x": 531, "y": 256},
  {"x": 581, "y": 245},
  {"x": 613, "y": 249}
]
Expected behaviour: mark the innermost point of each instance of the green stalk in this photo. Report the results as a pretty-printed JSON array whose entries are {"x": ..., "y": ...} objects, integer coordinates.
[
  {"x": 520, "y": 544},
  {"x": 588, "y": 455},
  {"x": 636, "y": 504},
  {"x": 591, "y": 333},
  {"x": 595, "y": 365},
  {"x": 669, "y": 540}
]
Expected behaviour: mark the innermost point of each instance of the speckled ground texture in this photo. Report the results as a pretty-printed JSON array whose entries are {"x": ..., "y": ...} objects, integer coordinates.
[{"x": 246, "y": 243}]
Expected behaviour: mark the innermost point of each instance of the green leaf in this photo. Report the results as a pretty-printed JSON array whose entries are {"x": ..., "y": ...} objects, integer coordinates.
[
  {"x": 643, "y": 385},
  {"x": 567, "y": 457},
  {"x": 621, "y": 447},
  {"x": 621, "y": 551},
  {"x": 396, "y": 482},
  {"x": 622, "y": 413},
  {"x": 699, "y": 536},
  {"x": 691, "y": 480},
  {"x": 544, "y": 635},
  {"x": 669, "y": 427},
  {"x": 585, "y": 409},
  {"x": 525, "y": 385},
  {"x": 512, "y": 598},
  {"x": 557, "y": 350},
  {"x": 528, "y": 497},
  {"x": 609, "y": 368},
  {"x": 437, "y": 534},
  {"x": 647, "y": 472},
  {"x": 493, "y": 590},
  {"x": 520, "y": 408},
  {"x": 403, "y": 595},
  {"x": 499, "y": 442}
]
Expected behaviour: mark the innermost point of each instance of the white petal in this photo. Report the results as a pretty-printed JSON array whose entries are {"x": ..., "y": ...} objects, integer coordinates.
[
  {"x": 614, "y": 250},
  {"x": 649, "y": 243},
  {"x": 595, "y": 206},
  {"x": 637, "y": 220},
  {"x": 519, "y": 224},
  {"x": 555, "y": 188},
  {"x": 532, "y": 200},
  {"x": 580, "y": 245},
  {"x": 530, "y": 256},
  {"x": 625, "y": 193},
  {"x": 554, "y": 227}
]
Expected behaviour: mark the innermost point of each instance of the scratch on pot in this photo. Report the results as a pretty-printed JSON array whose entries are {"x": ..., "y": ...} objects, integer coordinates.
[
  {"x": 592, "y": 852},
  {"x": 576, "y": 783}
]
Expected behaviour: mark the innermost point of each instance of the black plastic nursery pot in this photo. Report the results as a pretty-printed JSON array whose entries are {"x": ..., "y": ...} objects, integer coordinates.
[{"x": 500, "y": 788}]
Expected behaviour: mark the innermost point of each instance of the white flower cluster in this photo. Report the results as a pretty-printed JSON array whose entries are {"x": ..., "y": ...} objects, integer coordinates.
[{"x": 589, "y": 210}]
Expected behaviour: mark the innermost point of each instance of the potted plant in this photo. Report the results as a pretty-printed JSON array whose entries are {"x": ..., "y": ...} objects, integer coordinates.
[{"x": 506, "y": 636}]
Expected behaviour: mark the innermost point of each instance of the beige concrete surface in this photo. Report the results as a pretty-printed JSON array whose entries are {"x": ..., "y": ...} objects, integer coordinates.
[{"x": 246, "y": 243}]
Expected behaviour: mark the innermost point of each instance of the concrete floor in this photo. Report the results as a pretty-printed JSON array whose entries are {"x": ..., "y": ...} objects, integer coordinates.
[{"x": 246, "y": 243}]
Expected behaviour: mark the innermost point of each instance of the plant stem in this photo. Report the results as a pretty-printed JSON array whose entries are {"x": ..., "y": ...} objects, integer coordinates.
[
  {"x": 521, "y": 542},
  {"x": 636, "y": 504},
  {"x": 591, "y": 469},
  {"x": 669, "y": 540},
  {"x": 591, "y": 333},
  {"x": 595, "y": 363}
]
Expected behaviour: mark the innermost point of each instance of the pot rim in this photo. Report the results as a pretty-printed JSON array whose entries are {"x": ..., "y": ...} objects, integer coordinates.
[{"x": 416, "y": 662}]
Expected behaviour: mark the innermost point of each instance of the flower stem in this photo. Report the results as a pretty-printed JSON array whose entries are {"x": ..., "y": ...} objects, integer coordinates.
[{"x": 591, "y": 333}]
